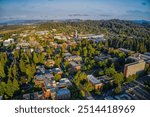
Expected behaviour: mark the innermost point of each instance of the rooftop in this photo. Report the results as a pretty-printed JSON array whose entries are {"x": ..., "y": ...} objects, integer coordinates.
[
  {"x": 56, "y": 70},
  {"x": 125, "y": 50},
  {"x": 74, "y": 64},
  {"x": 64, "y": 82},
  {"x": 93, "y": 79},
  {"x": 67, "y": 54},
  {"x": 63, "y": 91}
]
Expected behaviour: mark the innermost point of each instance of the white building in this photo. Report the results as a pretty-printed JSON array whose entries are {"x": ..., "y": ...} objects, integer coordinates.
[{"x": 8, "y": 42}]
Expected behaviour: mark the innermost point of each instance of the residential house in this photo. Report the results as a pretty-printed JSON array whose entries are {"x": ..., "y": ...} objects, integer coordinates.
[
  {"x": 57, "y": 71},
  {"x": 49, "y": 63},
  {"x": 33, "y": 96},
  {"x": 49, "y": 87},
  {"x": 95, "y": 82},
  {"x": 64, "y": 82},
  {"x": 106, "y": 79},
  {"x": 39, "y": 78},
  {"x": 75, "y": 66}
]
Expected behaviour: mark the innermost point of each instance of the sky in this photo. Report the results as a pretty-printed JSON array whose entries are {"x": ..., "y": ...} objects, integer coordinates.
[{"x": 74, "y": 9}]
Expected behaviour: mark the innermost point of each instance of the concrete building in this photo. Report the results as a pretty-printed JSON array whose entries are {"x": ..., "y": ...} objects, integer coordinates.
[
  {"x": 95, "y": 82},
  {"x": 134, "y": 68}
]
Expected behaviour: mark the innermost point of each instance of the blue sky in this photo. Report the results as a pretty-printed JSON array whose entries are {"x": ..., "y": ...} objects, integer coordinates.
[{"x": 74, "y": 9}]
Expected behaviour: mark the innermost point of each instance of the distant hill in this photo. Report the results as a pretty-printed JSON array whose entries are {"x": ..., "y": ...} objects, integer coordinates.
[
  {"x": 21, "y": 22},
  {"x": 25, "y": 22}
]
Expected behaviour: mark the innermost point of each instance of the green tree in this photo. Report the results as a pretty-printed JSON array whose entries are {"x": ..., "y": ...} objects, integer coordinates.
[
  {"x": 110, "y": 71},
  {"x": 131, "y": 78},
  {"x": 16, "y": 54},
  {"x": 118, "y": 78},
  {"x": 35, "y": 58},
  {"x": 57, "y": 62},
  {"x": 2, "y": 72},
  {"x": 79, "y": 77},
  {"x": 49, "y": 51},
  {"x": 41, "y": 58},
  {"x": 85, "y": 52},
  {"x": 30, "y": 71},
  {"x": 118, "y": 89},
  {"x": 9, "y": 89},
  {"x": 22, "y": 66},
  {"x": 57, "y": 77},
  {"x": 15, "y": 71},
  {"x": 88, "y": 87},
  {"x": 2, "y": 88},
  {"x": 10, "y": 72},
  {"x": 15, "y": 85},
  {"x": 82, "y": 93}
]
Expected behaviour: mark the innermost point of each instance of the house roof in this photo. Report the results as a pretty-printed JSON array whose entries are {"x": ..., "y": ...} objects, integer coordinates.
[
  {"x": 93, "y": 79},
  {"x": 63, "y": 91}
]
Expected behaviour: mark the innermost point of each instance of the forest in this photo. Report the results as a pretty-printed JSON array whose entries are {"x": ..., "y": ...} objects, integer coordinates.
[{"x": 120, "y": 33}]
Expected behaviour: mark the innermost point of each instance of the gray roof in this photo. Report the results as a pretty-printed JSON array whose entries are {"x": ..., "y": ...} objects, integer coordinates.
[
  {"x": 74, "y": 64},
  {"x": 64, "y": 82},
  {"x": 67, "y": 54},
  {"x": 93, "y": 79},
  {"x": 41, "y": 77},
  {"x": 1, "y": 97}
]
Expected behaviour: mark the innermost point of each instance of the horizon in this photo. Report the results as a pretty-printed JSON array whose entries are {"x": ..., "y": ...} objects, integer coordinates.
[{"x": 70, "y": 9}]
